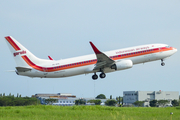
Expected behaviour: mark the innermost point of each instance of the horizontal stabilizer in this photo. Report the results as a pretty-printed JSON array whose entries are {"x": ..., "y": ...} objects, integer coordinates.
[
  {"x": 50, "y": 57},
  {"x": 22, "y": 69}
]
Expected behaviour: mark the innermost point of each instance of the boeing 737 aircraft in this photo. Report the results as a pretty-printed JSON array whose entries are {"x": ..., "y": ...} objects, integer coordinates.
[{"x": 103, "y": 62}]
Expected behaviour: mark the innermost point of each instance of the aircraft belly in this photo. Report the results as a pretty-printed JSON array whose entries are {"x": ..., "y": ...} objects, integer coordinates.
[
  {"x": 138, "y": 59},
  {"x": 32, "y": 73}
]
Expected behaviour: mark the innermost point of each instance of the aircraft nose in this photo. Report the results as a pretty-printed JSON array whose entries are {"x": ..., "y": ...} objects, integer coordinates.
[{"x": 175, "y": 50}]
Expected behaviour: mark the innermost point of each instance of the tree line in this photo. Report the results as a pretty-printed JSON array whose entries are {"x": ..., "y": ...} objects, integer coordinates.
[
  {"x": 110, "y": 102},
  {"x": 11, "y": 100},
  {"x": 157, "y": 103},
  {"x": 97, "y": 101}
]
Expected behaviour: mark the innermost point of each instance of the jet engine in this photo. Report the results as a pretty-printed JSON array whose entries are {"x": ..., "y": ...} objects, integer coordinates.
[{"x": 123, "y": 64}]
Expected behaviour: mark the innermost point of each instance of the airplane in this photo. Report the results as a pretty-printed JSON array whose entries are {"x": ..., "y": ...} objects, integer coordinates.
[{"x": 103, "y": 62}]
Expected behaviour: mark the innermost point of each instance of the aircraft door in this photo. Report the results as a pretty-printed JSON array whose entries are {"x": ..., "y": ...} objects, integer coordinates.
[{"x": 160, "y": 49}]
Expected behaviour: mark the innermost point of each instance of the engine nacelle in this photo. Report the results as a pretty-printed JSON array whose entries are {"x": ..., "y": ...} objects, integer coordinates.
[{"x": 121, "y": 65}]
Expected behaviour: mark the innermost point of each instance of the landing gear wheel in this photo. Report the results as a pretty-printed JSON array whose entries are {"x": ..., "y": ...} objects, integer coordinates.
[
  {"x": 102, "y": 75},
  {"x": 94, "y": 77},
  {"x": 163, "y": 64}
]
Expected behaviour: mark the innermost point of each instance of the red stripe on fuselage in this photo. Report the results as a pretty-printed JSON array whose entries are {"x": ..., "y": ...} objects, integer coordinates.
[
  {"x": 90, "y": 62},
  {"x": 30, "y": 63},
  {"x": 13, "y": 44}
]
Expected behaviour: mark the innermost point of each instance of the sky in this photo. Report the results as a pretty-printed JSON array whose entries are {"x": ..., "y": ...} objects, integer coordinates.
[{"x": 63, "y": 29}]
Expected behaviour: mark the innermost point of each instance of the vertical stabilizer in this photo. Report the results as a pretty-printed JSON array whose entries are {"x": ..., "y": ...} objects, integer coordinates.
[{"x": 18, "y": 50}]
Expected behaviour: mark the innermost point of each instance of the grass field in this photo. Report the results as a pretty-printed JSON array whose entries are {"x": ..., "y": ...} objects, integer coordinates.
[{"x": 44, "y": 112}]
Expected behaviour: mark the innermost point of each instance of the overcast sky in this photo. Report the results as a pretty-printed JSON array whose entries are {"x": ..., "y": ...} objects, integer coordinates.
[{"x": 63, "y": 29}]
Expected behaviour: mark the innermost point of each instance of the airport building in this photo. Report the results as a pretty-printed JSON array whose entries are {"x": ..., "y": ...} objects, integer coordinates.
[
  {"x": 63, "y": 99},
  {"x": 129, "y": 97}
]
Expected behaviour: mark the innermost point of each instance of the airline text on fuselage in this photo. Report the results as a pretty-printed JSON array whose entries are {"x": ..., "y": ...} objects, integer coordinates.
[{"x": 131, "y": 50}]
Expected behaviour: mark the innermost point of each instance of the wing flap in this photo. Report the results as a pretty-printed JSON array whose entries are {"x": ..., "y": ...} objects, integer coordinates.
[{"x": 99, "y": 65}]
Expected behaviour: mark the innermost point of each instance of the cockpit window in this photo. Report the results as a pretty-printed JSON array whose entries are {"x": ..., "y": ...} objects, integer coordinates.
[{"x": 167, "y": 46}]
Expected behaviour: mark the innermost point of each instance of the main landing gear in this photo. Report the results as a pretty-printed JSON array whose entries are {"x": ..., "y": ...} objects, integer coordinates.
[
  {"x": 162, "y": 63},
  {"x": 95, "y": 77},
  {"x": 102, "y": 75}
]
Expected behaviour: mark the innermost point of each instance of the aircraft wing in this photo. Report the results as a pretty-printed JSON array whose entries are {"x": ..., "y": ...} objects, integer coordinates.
[{"x": 103, "y": 60}]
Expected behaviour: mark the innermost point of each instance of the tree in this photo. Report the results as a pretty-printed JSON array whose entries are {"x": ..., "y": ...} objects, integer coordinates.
[
  {"x": 80, "y": 102},
  {"x": 175, "y": 103},
  {"x": 110, "y": 96},
  {"x": 162, "y": 102},
  {"x": 122, "y": 101},
  {"x": 119, "y": 99},
  {"x": 101, "y": 96},
  {"x": 139, "y": 103},
  {"x": 111, "y": 102},
  {"x": 17, "y": 101},
  {"x": 97, "y": 102},
  {"x": 153, "y": 103}
]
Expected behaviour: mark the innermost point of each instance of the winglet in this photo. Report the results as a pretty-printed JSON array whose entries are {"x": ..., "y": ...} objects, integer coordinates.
[
  {"x": 94, "y": 48},
  {"x": 50, "y": 57}
]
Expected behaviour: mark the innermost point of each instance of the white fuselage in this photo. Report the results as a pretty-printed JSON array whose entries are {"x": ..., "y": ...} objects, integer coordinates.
[{"x": 85, "y": 64}]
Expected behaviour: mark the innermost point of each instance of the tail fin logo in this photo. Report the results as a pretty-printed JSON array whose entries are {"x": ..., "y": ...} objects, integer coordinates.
[{"x": 19, "y": 53}]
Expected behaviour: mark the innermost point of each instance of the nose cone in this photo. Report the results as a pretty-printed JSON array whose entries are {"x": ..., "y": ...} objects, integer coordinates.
[{"x": 175, "y": 50}]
